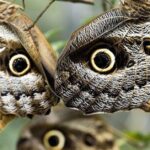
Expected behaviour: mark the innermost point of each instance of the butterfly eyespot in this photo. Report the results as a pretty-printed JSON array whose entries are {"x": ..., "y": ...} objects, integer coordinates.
[
  {"x": 103, "y": 60},
  {"x": 146, "y": 45},
  {"x": 19, "y": 64},
  {"x": 54, "y": 140}
]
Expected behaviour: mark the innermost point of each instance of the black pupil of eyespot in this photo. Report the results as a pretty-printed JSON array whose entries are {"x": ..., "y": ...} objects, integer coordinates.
[
  {"x": 53, "y": 141},
  {"x": 102, "y": 60},
  {"x": 19, "y": 64}
]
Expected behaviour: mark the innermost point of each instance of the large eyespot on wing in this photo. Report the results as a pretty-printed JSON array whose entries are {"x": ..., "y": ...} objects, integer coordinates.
[
  {"x": 103, "y": 60},
  {"x": 19, "y": 65},
  {"x": 54, "y": 140},
  {"x": 102, "y": 70}
]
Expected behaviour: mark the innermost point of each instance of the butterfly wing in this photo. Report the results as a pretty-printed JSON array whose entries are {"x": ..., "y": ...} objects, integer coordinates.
[
  {"x": 26, "y": 93},
  {"x": 37, "y": 47},
  {"x": 31, "y": 38},
  {"x": 70, "y": 131},
  {"x": 104, "y": 67}
]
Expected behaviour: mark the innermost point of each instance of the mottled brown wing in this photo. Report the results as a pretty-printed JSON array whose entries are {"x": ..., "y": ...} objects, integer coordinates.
[
  {"x": 26, "y": 60},
  {"x": 33, "y": 40},
  {"x": 105, "y": 65},
  {"x": 70, "y": 131}
]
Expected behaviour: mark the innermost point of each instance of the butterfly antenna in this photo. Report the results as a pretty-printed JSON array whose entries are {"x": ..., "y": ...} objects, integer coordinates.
[
  {"x": 40, "y": 15},
  {"x": 82, "y": 1},
  {"x": 23, "y": 4}
]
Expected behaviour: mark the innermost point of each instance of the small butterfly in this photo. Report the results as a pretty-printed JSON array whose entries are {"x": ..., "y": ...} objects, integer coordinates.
[
  {"x": 27, "y": 65},
  {"x": 105, "y": 66},
  {"x": 68, "y": 130}
]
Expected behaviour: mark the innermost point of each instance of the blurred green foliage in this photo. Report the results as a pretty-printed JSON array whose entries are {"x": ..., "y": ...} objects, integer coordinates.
[
  {"x": 9, "y": 136},
  {"x": 135, "y": 141}
]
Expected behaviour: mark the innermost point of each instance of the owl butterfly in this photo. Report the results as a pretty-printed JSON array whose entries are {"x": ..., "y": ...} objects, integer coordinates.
[
  {"x": 69, "y": 131},
  {"x": 105, "y": 66},
  {"x": 26, "y": 60}
]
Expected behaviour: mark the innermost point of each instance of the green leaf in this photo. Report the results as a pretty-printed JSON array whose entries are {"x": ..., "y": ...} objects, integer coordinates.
[{"x": 139, "y": 136}]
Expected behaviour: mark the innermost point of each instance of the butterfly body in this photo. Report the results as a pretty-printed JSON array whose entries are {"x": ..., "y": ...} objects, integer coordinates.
[{"x": 86, "y": 77}]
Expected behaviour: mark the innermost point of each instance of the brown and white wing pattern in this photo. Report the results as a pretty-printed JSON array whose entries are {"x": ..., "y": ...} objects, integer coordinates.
[
  {"x": 71, "y": 131},
  {"x": 105, "y": 65},
  {"x": 26, "y": 60}
]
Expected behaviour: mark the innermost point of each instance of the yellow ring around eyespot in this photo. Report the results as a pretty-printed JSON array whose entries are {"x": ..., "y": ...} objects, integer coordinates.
[
  {"x": 61, "y": 137},
  {"x": 11, "y": 64},
  {"x": 110, "y": 54}
]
